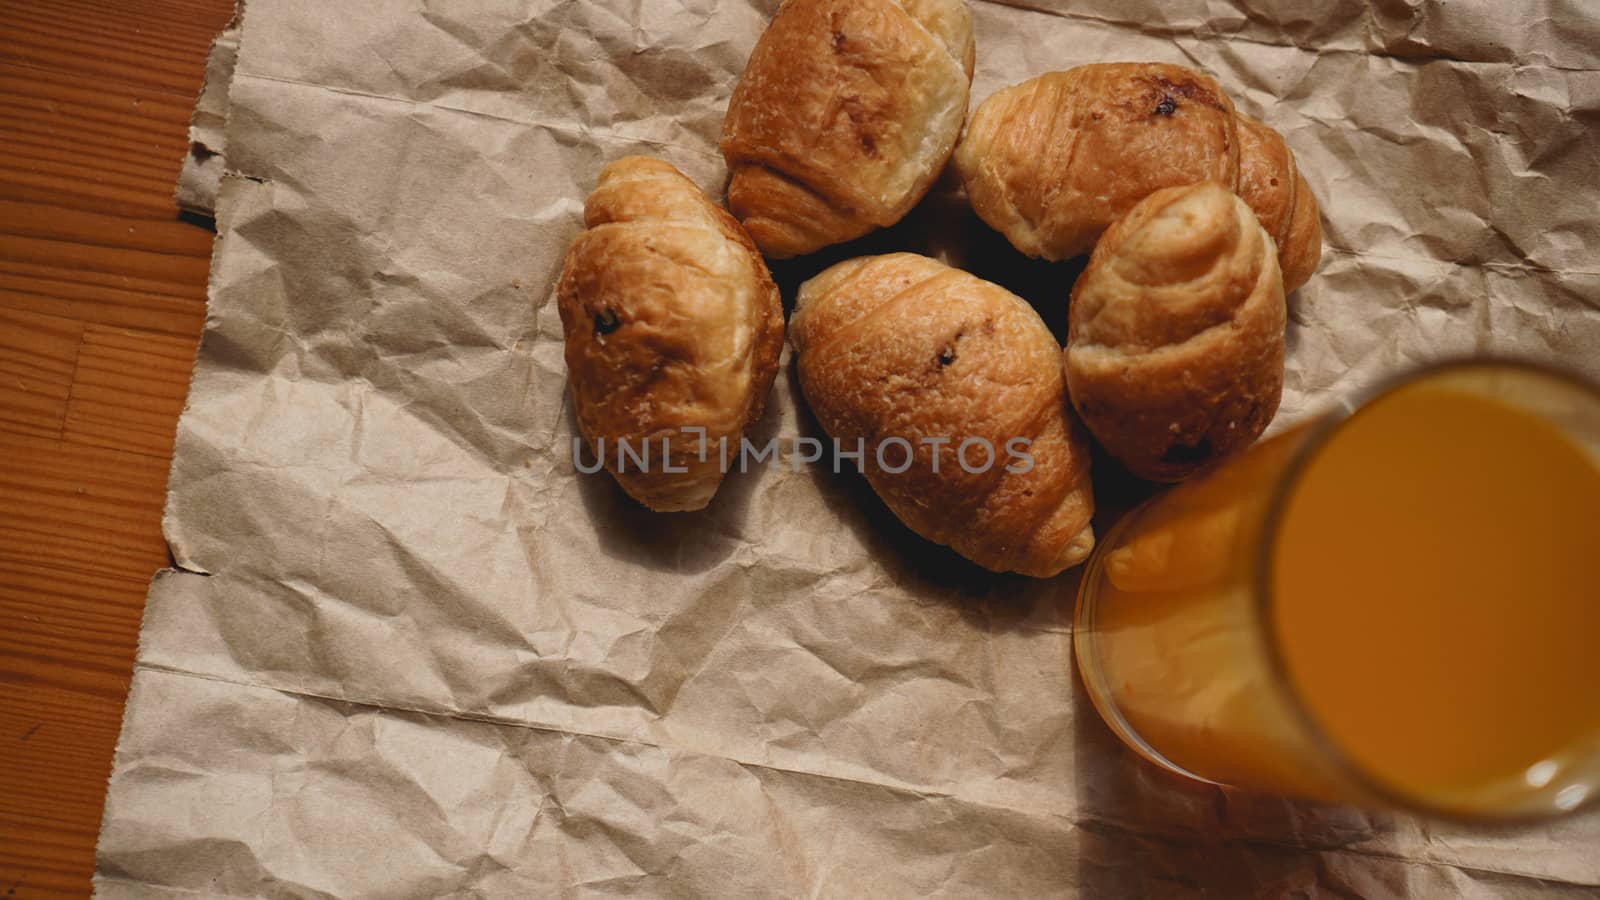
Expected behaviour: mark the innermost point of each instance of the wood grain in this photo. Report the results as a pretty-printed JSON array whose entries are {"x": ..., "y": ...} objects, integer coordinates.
[
  {"x": 90, "y": 143},
  {"x": 68, "y": 629},
  {"x": 106, "y": 284},
  {"x": 58, "y": 746},
  {"x": 155, "y": 45},
  {"x": 102, "y": 298},
  {"x": 38, "y": 356},
  {"x": 109, "y": 410},
  {"x": 81, "y": 508},
  {"x": 87, "y": 225}
]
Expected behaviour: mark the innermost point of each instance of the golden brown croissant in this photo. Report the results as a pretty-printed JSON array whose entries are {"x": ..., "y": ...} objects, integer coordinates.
[
  {"x": 1271, "y": 183},
  {"x": 846, "y": 113},
  {"x": 1175, "y": 352},
  {"x": 959, "y": 381},
  {"x": 672, "y": 322},
  {"x": 1053, "y": 161}
]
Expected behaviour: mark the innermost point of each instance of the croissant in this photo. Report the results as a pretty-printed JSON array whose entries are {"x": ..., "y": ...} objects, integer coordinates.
[
  {"x": 846, "y": 113},
  {"x": 1271, "y": 183},
  {"x": 1053, "y": 161},
  {"x": 1175, "y": 347},
  {"x": 672, "y": 323},
  {"x": 951, "y": 388}
]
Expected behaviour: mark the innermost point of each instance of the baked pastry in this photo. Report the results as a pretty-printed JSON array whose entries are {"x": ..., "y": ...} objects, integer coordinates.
[
  {"x": 1053, "y": 161},
  {"x": 951, "y": 387},
  {"x": 1174, "y": 354},
  {"x": 1271, "y": 183},
  {"x": 672, "y": 322},
  {"x": 846, "y": 113}
]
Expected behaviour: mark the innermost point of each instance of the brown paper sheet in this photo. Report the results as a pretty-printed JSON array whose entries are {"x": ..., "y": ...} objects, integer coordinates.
[
  {"x": 200, "y": 176},
  {"x": 410, "y": 652}
]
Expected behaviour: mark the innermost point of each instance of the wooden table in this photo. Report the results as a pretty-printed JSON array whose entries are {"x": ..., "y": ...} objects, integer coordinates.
[{"x": 102, "y": 298}]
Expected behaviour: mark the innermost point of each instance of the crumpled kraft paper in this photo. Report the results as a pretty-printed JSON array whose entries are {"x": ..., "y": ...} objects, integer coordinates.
[
  {"x": 411, "y": 652},
  {"x": 200, "y": 176}
]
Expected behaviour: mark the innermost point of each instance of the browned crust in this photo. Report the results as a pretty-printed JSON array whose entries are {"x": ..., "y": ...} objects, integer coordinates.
[
  {"x": 904, "y": 346},
  {"x": 1053, "y": 161},
  {"x": 785, "y": 216},
  {"x": 846, "y": 113},
  {"x": 1175, "y": 353},
  {"x": 665, "y": 328},
  {"x": 1272, "y": 184}
]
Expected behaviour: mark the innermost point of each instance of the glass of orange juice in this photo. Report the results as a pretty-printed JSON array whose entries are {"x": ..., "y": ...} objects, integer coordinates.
[{"x": 1396, "y": 604}]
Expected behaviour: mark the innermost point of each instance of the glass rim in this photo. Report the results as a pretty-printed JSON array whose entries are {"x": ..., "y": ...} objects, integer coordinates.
[{"x": 1320, "y": 430}]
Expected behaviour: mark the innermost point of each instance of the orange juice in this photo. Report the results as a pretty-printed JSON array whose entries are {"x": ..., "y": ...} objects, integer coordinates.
[
  {"x": 1404, "y": 612},
  {"x": 1438, "y": 609},
  {"x": 1167, "y": 639}
]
